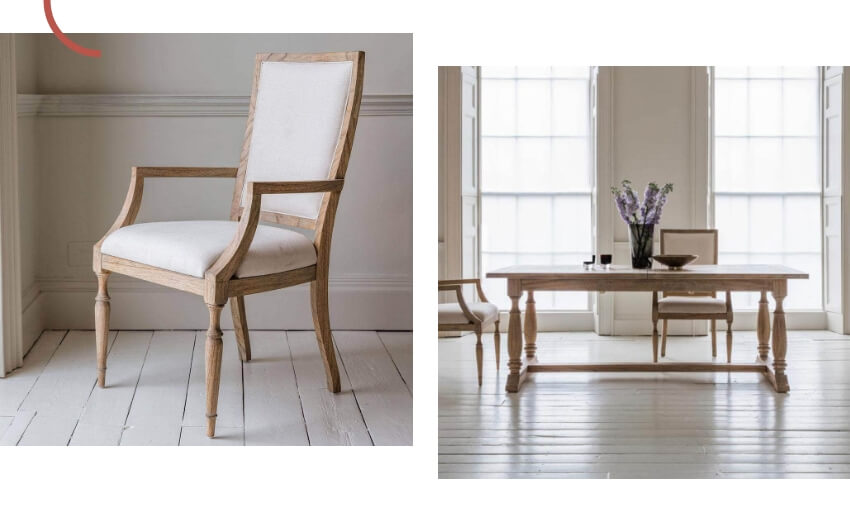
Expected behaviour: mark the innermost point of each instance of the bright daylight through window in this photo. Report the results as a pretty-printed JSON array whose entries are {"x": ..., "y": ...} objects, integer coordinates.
[
  {"x": 535, "y": 174},
  {"x": 767, "y": 188}
]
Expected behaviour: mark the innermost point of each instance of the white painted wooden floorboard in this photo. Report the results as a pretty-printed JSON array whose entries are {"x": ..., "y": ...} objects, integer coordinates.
[
  {"x": 273, "y": 414},
  {"x": 230, "y": 389},
  {"x": 49, "y": 430},
  {"x": 155, "y": 392},
  {"x": 332, "y": 418},
  {"x": 64, "y": 386},
  {"x": 630, "y": 425},
  {"x": 15, "y": 387},
  {"x": 91, "y": 434},
  {"x": 383, "y": 398},
  {"x": 224, "y": 436},
  {"x": 400, "y": 347},
  {"x": 110, "y": 405},
  {"x": 156, "y": 412}
]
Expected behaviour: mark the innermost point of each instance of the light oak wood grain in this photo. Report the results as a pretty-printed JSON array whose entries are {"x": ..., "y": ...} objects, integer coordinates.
[
  {"x": 708, "y": 278},
  {"x": 219, "y": 284}
]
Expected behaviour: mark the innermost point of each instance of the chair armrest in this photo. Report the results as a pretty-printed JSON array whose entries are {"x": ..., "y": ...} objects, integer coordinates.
[
  {"x": 133, "y": 200},
  {"x": 458, "y": 289},
  {"x": 472, "y": 280},
  {"x": 229, "y": 260},
  {"x": 186, "y": 172},
  {"x": 294, "y": 187}
]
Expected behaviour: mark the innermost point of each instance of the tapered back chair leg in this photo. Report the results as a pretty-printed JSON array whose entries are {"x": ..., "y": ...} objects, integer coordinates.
[
  {"x": 322, "y": 324},
  {"x": 213, "y": 365},
  {"x": 101, "y": 325},
  {"x": 497, "y": 342},
  {"x": 479, "y": 354},
  {"x": 664, "y": 337},
  {"x": 240, "y": 326}
]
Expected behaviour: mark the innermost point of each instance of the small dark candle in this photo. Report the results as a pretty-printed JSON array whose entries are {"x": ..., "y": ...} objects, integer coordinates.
[{"x": 605, "y": 259}]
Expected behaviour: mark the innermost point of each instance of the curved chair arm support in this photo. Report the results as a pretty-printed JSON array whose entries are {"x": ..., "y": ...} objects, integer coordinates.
[
  {"x": 133, "y": 200},
  {"x": 458, "y": 289},
  {"x": 472, "y": 280},
  {"x": 225, "y": 266}
]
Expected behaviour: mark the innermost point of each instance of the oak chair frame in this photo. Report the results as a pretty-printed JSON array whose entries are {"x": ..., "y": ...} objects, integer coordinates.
[
  {"x": 219, "y": 282},
  {"x": 474, "y": 324},
  {"x": 714, "y": 317}
]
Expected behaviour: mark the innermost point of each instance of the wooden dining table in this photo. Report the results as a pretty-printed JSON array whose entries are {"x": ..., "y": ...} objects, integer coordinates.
[{"x": 766, "y": 279}]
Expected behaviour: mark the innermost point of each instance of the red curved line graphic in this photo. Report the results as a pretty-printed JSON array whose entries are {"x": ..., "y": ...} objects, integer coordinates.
[{"x": 88, "y": 52}]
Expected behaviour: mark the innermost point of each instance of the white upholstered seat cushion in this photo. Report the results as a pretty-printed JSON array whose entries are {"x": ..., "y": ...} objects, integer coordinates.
[
  {"x": 452, "y": 314},
  {"x": 191, "y": 247},
  {"x": 691, "y": 305}
]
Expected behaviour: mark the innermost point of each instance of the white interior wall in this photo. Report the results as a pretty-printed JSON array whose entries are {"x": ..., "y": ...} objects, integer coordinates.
[{"x": 87, "y": 144}]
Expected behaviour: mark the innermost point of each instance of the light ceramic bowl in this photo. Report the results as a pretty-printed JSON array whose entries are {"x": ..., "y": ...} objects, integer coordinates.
[{"x": 675, "y": 261}]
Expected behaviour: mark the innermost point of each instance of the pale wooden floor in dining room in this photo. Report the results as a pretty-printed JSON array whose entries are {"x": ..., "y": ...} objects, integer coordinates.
[
  {"x": 653, "y": 425},
  {"x": 155, "y": 391}
]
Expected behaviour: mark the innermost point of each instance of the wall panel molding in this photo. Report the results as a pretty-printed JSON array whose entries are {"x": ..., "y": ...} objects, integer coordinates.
[{"x": 177, "y": 105}]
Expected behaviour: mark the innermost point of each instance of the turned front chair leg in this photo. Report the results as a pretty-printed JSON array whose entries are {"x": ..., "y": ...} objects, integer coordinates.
[
  {"x": 530, "y": 326},
  {"x": 479, "y": 354},
  {"x": 240, "y": 327},
  {"x": 101, "y": 326},
  {"x": 780, "y": 341},
  {"x": 322, "y": 324},
  {"x": 213, "y": 365},
  {"x": 497, "y": 342},
  {"x": 664, "y": 337}
]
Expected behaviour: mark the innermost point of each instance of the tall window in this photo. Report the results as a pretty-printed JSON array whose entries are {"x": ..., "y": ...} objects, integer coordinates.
[
  {"x": 535, "y": 174},
  {"x": 767, "y": 174}
]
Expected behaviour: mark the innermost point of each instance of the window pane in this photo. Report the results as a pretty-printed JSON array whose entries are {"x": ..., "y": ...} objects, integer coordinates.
[
  {"x": 535, "y": 174},
  {"x": 767, "y": 174}
]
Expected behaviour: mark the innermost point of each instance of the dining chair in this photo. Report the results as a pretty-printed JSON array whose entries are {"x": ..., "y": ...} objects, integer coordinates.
[
  {"x": 475, "y": 316},
  {"x": 692, "y": 305},
  {"x": 300, "y": 131}
]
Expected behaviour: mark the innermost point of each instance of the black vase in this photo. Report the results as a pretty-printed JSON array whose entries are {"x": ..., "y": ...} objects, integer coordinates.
[{"x": 640, "y": 241}]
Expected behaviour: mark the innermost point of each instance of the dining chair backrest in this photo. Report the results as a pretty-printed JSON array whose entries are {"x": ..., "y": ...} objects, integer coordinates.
[
  {"x": 303, "y": 112},
  {"x": 701, "y": 242}
]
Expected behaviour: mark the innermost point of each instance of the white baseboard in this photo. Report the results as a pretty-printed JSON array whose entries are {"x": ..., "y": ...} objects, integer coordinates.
[
  {"x": 554, "y": 321},
  {"x": 743, "y": 321},
  {"x": 356, "y": 303},
  {"x": 32, "y": 316}
]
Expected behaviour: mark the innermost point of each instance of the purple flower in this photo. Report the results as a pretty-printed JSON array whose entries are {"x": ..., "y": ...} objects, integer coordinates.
[{"x": 630, "y": 208}]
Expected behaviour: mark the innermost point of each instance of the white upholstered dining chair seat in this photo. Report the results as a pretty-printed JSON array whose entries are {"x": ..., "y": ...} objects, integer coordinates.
[
  {"x": 191, "y": 247},
  {"x": 452, "y": 314},
  {"x": 691, "y": 305}
]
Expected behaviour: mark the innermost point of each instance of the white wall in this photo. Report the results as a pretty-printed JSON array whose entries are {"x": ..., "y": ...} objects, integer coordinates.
[
  {"x": 660, "y": 133},
  {"x": 86, "y": 146}
]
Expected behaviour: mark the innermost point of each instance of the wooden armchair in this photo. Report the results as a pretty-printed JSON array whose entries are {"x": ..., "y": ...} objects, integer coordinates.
[
  {"x": 301, "y": 123},
  {"x": 460, "y": 316},
  {"x": 691, "y": 305}
]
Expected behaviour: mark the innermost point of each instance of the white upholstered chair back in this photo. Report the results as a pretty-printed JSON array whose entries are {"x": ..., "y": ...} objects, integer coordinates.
[
  {"x": 299, "y": 114},
  {"x": 702, "y": 242}
]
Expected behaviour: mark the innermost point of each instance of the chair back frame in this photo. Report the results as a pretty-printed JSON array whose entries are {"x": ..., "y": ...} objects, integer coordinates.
[
  {"x": 708, "y": 231},
  {"x": 339, "y": 164}
]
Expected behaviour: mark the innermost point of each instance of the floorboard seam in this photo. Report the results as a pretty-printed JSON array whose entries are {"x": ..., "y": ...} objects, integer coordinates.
[
  {"x": 298, "y": 389},
  {"x": 135, "y": 388},
  {"x": 353, "y": 392}
]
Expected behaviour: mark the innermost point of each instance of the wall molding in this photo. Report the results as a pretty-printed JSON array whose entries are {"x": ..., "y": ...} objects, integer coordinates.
[
  {"x": 177, "y": 105},
  {"x": 11, "y": 344}
]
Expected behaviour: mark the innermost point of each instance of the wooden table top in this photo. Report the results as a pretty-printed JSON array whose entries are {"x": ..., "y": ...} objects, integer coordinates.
[{"x": 689, "y": 272}]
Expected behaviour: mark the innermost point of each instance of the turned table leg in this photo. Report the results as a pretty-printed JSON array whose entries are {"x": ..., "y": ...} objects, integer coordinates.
[
  {"x": 530, "y": 326},
  {"x": 763, "y": 327},
  {"x": 780, "y": 340},
  {"x": 514, "y": 339}
]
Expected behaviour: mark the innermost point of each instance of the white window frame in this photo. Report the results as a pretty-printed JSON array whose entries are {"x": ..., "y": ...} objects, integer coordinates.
[{"x": 797, "y": 318}]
